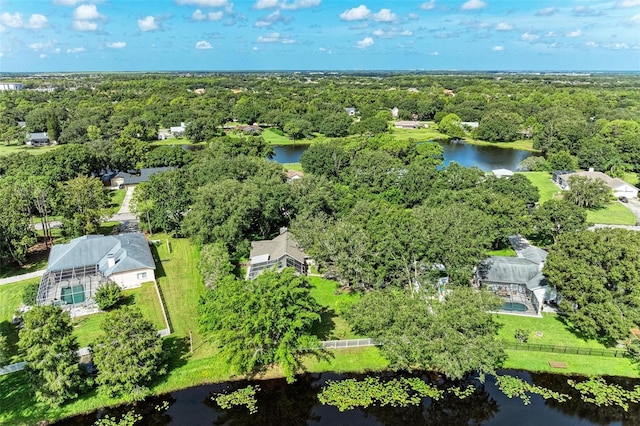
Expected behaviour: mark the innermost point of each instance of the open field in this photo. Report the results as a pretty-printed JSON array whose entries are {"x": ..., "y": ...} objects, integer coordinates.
[
  {"x": 13, "y": 149},
  {"x": 613, "y": 214},
  {"x": 632, "y": 178},
  {"x": 542, "y": 181}
]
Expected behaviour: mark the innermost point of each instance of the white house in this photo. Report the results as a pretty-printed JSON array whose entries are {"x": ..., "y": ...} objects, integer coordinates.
[
  {"x": 619, "y": 187},
  {"x": 76, "y": 270},
  {"x": 500, "y": 173}
]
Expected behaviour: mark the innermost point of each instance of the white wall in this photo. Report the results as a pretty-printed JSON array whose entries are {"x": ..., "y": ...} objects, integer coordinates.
[
  {"x": 626, "y": 191},
  {"x": 130, "y": 279}
]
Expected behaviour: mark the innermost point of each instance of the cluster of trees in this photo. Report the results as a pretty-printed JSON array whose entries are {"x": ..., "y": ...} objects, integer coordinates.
[
  {"x": 128, "y": 355},
  {"x": 594, "y": 118}
]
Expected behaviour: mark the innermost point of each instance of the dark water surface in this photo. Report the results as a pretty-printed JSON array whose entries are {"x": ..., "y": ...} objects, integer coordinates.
[
  {"x": 484, "y": 157},
  {"x": 280, "y": 404}
]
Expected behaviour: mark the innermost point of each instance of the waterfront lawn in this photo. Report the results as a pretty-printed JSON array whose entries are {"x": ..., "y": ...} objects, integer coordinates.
[
  {"x": 332, "y": 326},
  {"x": 613, "y": 214},
  {"x": 420, "y": 134},
  {"x": 292, "y": 166},
  {"x": 555, "y": 330},
  {"x": 542, "y": 181}
]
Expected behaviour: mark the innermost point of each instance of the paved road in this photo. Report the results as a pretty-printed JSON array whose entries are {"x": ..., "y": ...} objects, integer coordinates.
[{"x": 634, "y": 206}]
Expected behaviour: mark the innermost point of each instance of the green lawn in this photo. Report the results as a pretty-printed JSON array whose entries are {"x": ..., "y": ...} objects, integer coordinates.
[
  {"x": 556, "y": 332},
  {"x": 292, "y": 166},
  {"x": 13, "y": 149},
  {"x": 332, "y": 325},
  {"x": 10, "y": 300},
  {"x": 116, "y": 197},
  {"x": 420, "y": 134},
  {"x": 613, "y": 214},
  {"x": 542, "y": 181},
  {"x": 632, "y": 178},
  {"x": 14, "y": 269}
]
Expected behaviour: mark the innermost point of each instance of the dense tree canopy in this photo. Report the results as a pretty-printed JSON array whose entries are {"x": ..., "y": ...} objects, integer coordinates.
[
  {"x": 260, "y": 322},
  {"x": 453, "y": 335},
  {"x": 598, "y": 275},
  {"x": 128, "y": 355},
  {"x": 49, "y": 348}
]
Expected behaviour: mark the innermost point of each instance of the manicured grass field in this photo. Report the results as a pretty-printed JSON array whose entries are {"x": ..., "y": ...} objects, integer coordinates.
[
  {"x": 542, "y": 181},
  {"x": 632, "y": 178},
  {"x": 13, "y": 149},
  {"x": 558, "y": 333},
  {"x": 613, "y": 214},
  {"x": 420, "y": 134}
]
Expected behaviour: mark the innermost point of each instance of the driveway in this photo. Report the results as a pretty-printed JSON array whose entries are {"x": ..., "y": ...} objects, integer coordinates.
[
  {"x": 634, "y": 206},
  {"x": 124, "y": 215}
]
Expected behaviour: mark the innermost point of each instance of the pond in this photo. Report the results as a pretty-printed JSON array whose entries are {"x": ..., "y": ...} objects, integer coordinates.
[
  {"x": 484, "y": 157},
  {"x": 297, "y": 404}
]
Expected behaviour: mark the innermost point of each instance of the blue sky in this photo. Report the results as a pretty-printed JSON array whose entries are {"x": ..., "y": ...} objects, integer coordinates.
[{"x": 158, "y": 35}]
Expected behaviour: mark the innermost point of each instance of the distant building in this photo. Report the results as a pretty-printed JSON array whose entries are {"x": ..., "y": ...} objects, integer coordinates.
[
  {"x": 410, "y": 125},
  {"x": 37, "y": 139},
  {"x": 293, "y": 175},
  {"x": 350, "y": 111},
  {"x": 134, "y": 177},
  {"x": 394, "y": 112},
  {"x": 11, "y": 86},
  {"x": 500, "y": 173},
  {"x": 470, "y": 124},
  {"x": 619, "y": 187}
]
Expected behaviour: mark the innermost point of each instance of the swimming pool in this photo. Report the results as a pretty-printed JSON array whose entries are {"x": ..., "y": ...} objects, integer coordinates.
[{"x": 514, "y": 306}]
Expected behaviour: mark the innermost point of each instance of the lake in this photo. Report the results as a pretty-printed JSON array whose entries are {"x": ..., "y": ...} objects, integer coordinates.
[
  {"x": 280, "y": 404},
  {"x": 484, "y": 157}
]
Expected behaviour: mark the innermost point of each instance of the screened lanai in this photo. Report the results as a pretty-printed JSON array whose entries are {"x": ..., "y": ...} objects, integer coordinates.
[{"x": 70, "y": 288}]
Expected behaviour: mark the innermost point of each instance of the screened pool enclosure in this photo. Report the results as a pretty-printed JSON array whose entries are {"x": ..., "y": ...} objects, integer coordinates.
[{"x": 70, "y": 288}]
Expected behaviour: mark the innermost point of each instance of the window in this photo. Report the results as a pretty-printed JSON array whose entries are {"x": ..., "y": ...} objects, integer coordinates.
[{"x": 142, "y": 275}]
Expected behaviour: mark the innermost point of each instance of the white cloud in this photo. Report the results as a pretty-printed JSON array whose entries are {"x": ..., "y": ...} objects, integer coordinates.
[
  {"x": 585, "y": 11},
  {"x": 117, "y": 45},
  {"x": 43, "y": 56},
  {"x": 76, "y": 50},
  {"x": 203, "y": 3},
  {"x": 293, "y": 5},
  {"x": 529, "y": 37},
  {"x": 203, "y": 44},
  {"x": 430, "y": 5},
  {"x": 275, "y": 38},
  {"x": 617, "y": 46},
  {"x": 385, "y": 15},
  {"x": 634, "y": 21},
  {"x": 148, "y": 24},
  {"x": 547, "y": 11},
  {"x": 497, "y": 48},
  {"x": 576, "y": 33},
  {"x": 36, "y": 21},
  {"x": 628, "y": 3},
  {"x": 392, "y": 33},
  {"x": 413, "y": 16},
  {"x": 86, "y": 12},
  {"x": 48, "y": 45},
  {"x": 591, "y": 44},
  {"x": 67, "y": 2},
  {"x": 84, "y": 25},
  {"x": 271, "y": 19},
  {"x": 364, "y": 43},
  {"x": 436, "y": 53},
  {"x": 504, "y": 26},
  {"x": 198, "y": 15},
  {"x": 359, "y": 13},
  {"x": 474, "y": 5}
]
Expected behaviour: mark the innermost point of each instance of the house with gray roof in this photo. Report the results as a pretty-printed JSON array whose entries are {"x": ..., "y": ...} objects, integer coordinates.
[
  {"x": 77, "y": 269},
  {"x": 281, "y": 252},
  {"x": 518, "y": 280},
  {"x": 134, "y": 177},
  {"x": 37, "y": 139}
]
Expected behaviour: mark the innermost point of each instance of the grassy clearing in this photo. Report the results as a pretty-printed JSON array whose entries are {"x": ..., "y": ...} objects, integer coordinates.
[
  {"x": 14, "y": 149},
  {"x": 542, "y": 181},
  {"x": 613, "y": 214},
  {"x": 523, "y": 144},
  {"x": 292, "y": 166},
  {"x": 420, "y": 134},
  {"x": 632, "y": 178},
  {"x": 10, "y": 300},
  {"x": 332, "y": 326},
  {"x": 556, "y": 331}
]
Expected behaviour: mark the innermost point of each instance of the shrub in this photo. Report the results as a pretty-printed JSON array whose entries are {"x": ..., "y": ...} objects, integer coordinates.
[
  {"x": 522, "y": 335},
  {"x": 30, "y": 293},
  {"x": 108, "y": 296}
]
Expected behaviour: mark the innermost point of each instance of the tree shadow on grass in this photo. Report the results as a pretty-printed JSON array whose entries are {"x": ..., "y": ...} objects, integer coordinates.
[
  {"x": 564, "y": 319},
  {"x": 324, "y": 329},
  {"x": 17, "y": 401},
  {"x": 160, "y": 272},
  {"x": 177, "y": 350}
]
